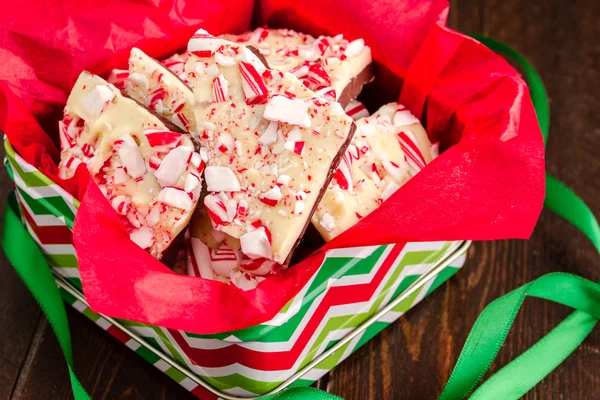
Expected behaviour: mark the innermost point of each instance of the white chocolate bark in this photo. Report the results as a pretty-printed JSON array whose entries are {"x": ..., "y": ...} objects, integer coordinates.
[
  {"x": 321, "y": 63},
  {"x": 269, "y": 145},
  {"x": 161, "y": 90},
  {"x": 150, "y": 175},
  {"x": 388, "y": 148}
]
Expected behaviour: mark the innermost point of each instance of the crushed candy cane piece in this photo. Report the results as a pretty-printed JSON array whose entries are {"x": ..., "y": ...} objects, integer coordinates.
[
  {"x": 255, "y": 244},
  {"x": 288, "y": 111},
  {"x": 221, "y": 179},
  {"x": 97, "y": 99}
]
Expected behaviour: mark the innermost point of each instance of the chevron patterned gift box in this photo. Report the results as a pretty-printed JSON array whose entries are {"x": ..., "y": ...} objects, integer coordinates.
[{"x": 355, "y": 294}]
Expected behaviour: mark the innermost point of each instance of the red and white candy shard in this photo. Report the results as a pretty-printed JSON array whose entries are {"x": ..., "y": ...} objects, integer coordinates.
[
  {"x": 215, "y": 255},
  {"x": 160, "y": 88},
  {"x": 150, "y": 174},
  {"x": 388, "y": 148},
  {"x": 356, "y": 110},
  {"x": 325, "y": 65},
  {"x": 265, "y": 140}
]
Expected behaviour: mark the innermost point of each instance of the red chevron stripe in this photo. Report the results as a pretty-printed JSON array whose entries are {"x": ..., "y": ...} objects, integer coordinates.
[
  {"x": 285, "y": 359},
  {"x": 118, "y": 334},
  {"x": 58, "y": 234},
  {"x": 203, "y": 394}
]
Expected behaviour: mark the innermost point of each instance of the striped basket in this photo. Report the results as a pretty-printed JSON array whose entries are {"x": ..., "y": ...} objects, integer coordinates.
[{"x": 355, "y": 294}]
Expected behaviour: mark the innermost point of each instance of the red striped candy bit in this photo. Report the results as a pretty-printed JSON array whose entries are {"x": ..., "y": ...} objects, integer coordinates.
[
  {"x": 260, "y": 266},
  {"x": 154, "y": 162},
  {"x": 118, "y": 77},
  {"x": 203, "y": 44},
  {"x": 218, "y": 210},
  {"x": 257, "y": 243},
  {"x": 353, "y": 152},
  {"x": 220, "y": 89},
  {"x": 318, "y": 77},
  {"x": 356, "y": 109},
  {"x": 223, "y": 260},
  {"x": 121, "y": 204},
  {"x": 409, "y": 146},
  {"x": 322, "y": 44},
  {"x": 327, "y": 93},
  {"x": 72, "y": 163},
  {"x": 296, "y": 147},
  {"x": 393, "y": 170},
  {"x": 371, "y": 171},
  {"x": 301, "y": 71},
  {"x": 181, "y": 120},
  {"x": 157, "y": 138},
  {"x": 66, "y": 141},
  {"x": 358, "y": 215},
  {"x": 272, "y": 196},
  {"x": 253, "y": 85},
  {"x": 343, "y": 175},
  {"x": 242, "y": 210},
  {"x": 87, "y": 150},
  {"x": 156, "y": 96}
]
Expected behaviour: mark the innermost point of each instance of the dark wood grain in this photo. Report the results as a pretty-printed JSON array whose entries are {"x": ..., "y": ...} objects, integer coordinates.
[{"x": 413, "y": 358}]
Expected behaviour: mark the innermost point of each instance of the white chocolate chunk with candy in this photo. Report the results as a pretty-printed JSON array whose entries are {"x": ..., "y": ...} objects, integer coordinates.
[
  {"x": 326, "y": 65},
  {"x": 388, "y": 148},
  {"x": 273, "y": 135},
  {"x": 159, "y": 87},
  {"x": 143, "y": 168}
]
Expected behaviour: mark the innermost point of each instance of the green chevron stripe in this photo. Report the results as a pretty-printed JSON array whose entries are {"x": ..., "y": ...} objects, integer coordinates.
[
  {"x": 354, "y": 320},
  {"x": 61, "y": 260},
  {"x": 146, "y": 353},
  {"x": 49, "y": 205},
  {"x": 332, "y": 268},
  {"x": 442, "y": 277}
]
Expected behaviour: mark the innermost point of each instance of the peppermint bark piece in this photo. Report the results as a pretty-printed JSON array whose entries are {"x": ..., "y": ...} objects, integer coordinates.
[
  {"x": 388, "y": 148},
  {"x": 150, "y": 173},
  {"x": 322, "y": 64},
  {"x": 270, "y": 145},
  {"x": 161, "y": 90}
]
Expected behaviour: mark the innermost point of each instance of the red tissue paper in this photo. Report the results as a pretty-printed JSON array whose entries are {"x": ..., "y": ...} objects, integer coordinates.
[{"x": 488, "y": 183}]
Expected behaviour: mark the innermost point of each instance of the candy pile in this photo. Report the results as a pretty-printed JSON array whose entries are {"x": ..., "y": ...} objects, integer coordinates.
[{"x": 269, "y": 119}]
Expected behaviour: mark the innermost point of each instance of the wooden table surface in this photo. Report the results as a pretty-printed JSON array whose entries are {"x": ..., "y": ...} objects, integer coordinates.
[{"x": 411, "y": 359}]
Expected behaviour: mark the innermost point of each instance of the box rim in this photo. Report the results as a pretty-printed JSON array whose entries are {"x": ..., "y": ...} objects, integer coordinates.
[{"x": 441, "y": 264}]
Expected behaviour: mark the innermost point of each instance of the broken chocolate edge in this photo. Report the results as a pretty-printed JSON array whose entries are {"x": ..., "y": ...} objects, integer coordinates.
[
  {"x": 332, "y": 168},
  {"x": 354, "y": 87}
]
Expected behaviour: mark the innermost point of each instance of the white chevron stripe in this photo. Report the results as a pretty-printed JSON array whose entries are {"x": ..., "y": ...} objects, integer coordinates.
[
  {"x": 355, "y": 252},
  {"x": 67, "y": 272},
  {"x": 287, "y": 345},
  {"x": 333, "y": 335},
  {"x": 59, "y": 249}
]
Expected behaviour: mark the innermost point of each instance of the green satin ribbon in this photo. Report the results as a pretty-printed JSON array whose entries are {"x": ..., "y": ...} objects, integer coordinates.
[
  {"x": 493, "y": 324},
  {"x": 486, "y": 337}
]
